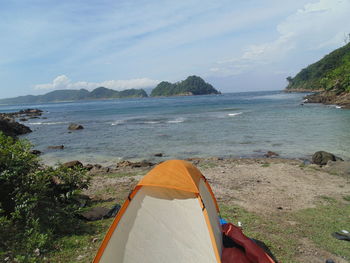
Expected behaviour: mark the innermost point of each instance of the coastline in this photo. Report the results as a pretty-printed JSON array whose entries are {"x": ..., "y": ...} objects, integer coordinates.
[{"x": 324, "y": 97}]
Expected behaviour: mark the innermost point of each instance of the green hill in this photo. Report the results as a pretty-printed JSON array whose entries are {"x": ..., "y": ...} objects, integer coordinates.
[
  {"x": 73, "y": 95},
  {"x": 193, "y": 85},
  {"x": 330, "y": 73}
]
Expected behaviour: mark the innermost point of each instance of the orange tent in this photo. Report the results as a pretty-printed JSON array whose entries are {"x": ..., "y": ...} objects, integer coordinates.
[{"x": 170, "y": 216}]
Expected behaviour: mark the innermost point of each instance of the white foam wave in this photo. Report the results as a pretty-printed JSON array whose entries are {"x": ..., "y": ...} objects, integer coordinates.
[
  {"x": 118, "y": 122},
  {"x": 152, "y": 122},
  {"x": 234, "y": 114},
  {"x": 177, "y": 120},
  {"x": 47, "y": 123}
]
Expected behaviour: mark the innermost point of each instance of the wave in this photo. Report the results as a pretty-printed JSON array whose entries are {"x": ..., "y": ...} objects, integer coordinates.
[
  {"x": 118, "y": 122},
  {"x": 177, "y": 120},
  {"x": 234, "y": 114},
  {"x": 47, "y": 123}
]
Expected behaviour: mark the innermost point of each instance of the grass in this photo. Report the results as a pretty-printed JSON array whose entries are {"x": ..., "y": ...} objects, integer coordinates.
[
  {"x": 266, "y": 165},
  {"x": 314, "y": 224},
  {"x": 346, "y": 198},
  {"x": 273, "y": 234}
]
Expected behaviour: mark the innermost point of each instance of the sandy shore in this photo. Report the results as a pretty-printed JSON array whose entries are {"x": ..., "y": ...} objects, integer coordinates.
[{"x": 269, "y": 188}]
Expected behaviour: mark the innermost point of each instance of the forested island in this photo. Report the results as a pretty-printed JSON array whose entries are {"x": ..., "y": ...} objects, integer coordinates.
[
  {"x": 73, "y": 95},
  {"x": 329, "y": 77},
  {"x": 192, "y": 85}
]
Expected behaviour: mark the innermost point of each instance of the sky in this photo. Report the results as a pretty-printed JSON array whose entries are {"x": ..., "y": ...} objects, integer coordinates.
[{"x": 241, "y": 45}]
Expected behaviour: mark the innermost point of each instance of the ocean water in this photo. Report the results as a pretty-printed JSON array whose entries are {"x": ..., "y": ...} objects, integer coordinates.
[{"x": 228, "y": 125}]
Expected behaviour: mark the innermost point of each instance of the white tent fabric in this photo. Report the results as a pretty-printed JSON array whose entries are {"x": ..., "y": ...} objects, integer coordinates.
[{"x": 164, "y": 225}]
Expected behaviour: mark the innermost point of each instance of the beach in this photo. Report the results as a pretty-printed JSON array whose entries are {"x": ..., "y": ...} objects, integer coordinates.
[{"x": 294, "y": 208}]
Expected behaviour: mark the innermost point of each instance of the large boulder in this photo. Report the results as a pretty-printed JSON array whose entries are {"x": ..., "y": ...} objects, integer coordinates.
[
  {"x": 322, "y": 158},
  {"x": 75, "y": 126},
  {"x": 12, "y": 128}
]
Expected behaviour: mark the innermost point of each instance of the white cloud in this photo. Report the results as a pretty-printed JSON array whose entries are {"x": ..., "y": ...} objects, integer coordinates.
[
  {"x": 318, "y": 25},
  {"x": 63, "y": 82}
]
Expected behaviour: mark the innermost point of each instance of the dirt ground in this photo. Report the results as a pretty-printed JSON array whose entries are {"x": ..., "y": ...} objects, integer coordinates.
[{"x": 266, "y": 187}]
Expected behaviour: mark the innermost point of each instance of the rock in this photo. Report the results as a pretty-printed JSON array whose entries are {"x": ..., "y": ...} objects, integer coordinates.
[
  {"x": 123, "y": 164},
  {"x": 72, "y": 164},
  {"x": 82, "y": 200},
  {"x": 98, "y": 213},
  {"x": 158, "y": 155},
  {"x": 30, "y": 111},
  {"x": 271, "y": 154},
  {"x": 11, "y": 128},
  {"x": 142, "y": 164},
  {"x": 56, "y": 147},
  {"x": 113, "y": 211},
  {"x": 23, "y": 119},
  {"x": 322, "y": 158},
  {"x": 74, "y": 126},
  {"x": 88, "y": 166},
  {"x": 35, "y": 152}
]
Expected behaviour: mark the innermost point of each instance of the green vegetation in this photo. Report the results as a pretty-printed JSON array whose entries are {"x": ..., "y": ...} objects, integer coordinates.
[
  {"x": 331, "y": 72},
  {"x": 72, "y": 95},
  {"x": 284, "y": 233},
  {"x": 193, "y": 85},
  {"x": 37, "y": 204}
]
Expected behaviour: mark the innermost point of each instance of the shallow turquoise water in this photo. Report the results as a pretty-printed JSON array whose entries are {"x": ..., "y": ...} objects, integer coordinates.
[{"x": 228, "y": 125}]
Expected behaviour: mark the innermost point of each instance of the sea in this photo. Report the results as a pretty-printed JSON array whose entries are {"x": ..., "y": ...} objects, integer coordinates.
[{"x": 232, "y": 125}]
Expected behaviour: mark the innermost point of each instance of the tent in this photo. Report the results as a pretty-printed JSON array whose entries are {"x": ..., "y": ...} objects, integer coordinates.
[{"x": 170, "y": 216}]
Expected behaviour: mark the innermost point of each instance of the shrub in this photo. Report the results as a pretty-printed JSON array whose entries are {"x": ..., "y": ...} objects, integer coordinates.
[{"x": 36, "y": 203}]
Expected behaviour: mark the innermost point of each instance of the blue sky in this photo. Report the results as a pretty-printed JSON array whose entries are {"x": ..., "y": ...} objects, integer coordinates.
[{"x": 235, "y": 45}]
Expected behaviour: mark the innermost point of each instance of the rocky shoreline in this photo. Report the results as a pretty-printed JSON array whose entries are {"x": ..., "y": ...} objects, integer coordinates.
[
  {"x": 10, "y": 127},
  {"x": 330, "y": 98}
]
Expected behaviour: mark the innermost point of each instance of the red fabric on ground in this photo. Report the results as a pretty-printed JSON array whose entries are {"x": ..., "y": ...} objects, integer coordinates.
[{"x": 252, "y": 254}]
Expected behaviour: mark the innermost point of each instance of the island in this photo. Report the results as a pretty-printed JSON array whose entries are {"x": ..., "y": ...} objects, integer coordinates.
[
  {"x": 74, "y": 95},
  {"x": 329, "y": 78},
  {"x": 192, "y": 85}
]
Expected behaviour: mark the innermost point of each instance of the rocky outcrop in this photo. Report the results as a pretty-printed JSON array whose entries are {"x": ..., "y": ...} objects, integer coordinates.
[
  {"x": 330, "y": 97},
  {"x": 322, "y": 158},
  {"x": 12, "y": 128},
  {"x": 75, "y": 126}
]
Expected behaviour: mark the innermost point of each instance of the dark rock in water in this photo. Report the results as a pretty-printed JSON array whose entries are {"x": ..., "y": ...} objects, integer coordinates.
[
  {"x": 56, "y": 147},
  {"x": 11, "y": 128},
  {"x": 35, "y": 152},
  {"x": 322, "y": 158},
  {"x": 30, "y": 111},
  {"x": 72, "y": 164},
  {"x": 271, "y": 154},
  {"x": 23, "y": 119},
  {"x": 158, "y": 155},
  {"x": 75, "y": 126},
  {"x": 96, "y": 213}
]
